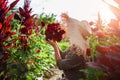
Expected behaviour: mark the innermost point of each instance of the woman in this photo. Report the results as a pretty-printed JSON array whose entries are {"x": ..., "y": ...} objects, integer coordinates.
[
  {"x": 73, "y": 60},
  {"x": 77, "y": 32},
  {"x": 70, "y": 61}
]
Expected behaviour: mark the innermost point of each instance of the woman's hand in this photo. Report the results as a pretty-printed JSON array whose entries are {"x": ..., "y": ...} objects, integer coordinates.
[
  {"x": 56, "y": 49},
  {"x": 51, "y": 42}
]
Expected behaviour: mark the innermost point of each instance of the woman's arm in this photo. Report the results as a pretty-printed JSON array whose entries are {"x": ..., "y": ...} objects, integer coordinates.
[{"x": 56, "y": 49}]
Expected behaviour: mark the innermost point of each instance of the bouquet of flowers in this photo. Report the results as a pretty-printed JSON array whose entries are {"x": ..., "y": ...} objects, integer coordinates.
[{"x": 54, "y": 32}]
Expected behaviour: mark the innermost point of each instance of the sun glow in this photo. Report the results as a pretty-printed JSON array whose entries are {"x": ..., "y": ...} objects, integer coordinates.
[
  {"x": 82, "y": 9},
  {"x": 106, "y": 13}
]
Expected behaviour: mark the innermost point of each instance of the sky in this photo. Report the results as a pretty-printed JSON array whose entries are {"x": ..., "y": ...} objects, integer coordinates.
[{"x": 79, "y": 9}]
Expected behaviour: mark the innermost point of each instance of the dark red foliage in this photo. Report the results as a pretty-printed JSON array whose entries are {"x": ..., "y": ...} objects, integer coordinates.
[
  {"x": 5, "y": 22},
  {"x": 4, "y": 8},
  {"x": 108, "y": 49},
  {"x": 42, "y": 23},
  {"x": 108, "y": 61},
  {"x": 24, "y": 42},
  {"x": 115, "y": 49},
  {"x": 29, "y": 21},
  {"x": 26, "y": 31},
  {"x": 26, "y": 18},
  {"x": 23, "y": 31},
  {"x": 54, "y": 32},
  {"x": 16, "y": 16},
  {"x": 6, "y": 35},
  {"x": 10, "y": 43},
  {"x": 103, "y": 49},
  {"x": 23, "y": 39}
]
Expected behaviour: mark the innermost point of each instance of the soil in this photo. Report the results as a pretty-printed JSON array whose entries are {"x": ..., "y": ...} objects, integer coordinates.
[{"x": 56, "y": 73}]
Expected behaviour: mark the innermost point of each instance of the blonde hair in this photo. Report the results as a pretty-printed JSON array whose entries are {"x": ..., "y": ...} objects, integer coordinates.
[
  {"x": 65, "y": 15},
  {"x": 75, "y": 50}
]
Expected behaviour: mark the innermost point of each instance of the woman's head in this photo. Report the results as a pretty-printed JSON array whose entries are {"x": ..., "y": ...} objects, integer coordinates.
[
  {"x": 64, "y": 18},
  {"x": 75, "y": 50}
]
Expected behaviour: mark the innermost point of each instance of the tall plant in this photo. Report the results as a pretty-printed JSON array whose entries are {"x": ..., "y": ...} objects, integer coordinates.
[
  {"x": 5, "y": 33},
  {"x": 107, "y": 60},
  {"x": 21, "y": 41}
]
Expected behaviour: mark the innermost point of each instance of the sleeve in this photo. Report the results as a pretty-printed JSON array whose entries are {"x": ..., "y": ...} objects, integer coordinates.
[
  {"x": 62, "y": 54},
  {"x": 69, "y": 62}
]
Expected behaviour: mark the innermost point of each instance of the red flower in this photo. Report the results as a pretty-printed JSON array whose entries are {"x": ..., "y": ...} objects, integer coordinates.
[
  {"x": 88, "y": 52},
  {"x": 54, "y": 32},
  {"x": 42, "y": 23},
  {"x": 37, "y": 51},
  {"x": 0, "y": 25}
]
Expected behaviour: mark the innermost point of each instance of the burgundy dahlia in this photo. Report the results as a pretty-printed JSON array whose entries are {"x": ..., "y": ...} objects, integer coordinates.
[{"x": 54, "y": 32}]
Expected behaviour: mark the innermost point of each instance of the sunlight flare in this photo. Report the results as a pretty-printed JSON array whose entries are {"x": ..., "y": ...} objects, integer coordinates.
[{"x": 106, "y": 13}]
